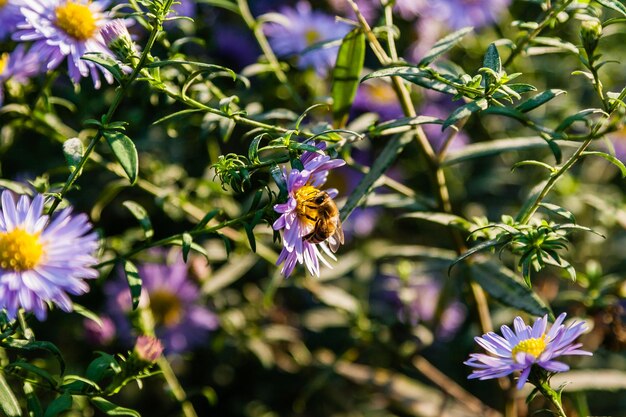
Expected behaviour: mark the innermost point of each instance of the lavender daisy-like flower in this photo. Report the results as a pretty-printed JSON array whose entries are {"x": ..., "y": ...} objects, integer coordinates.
[
  {"x": 182, "y": 321},
  {"x": 42, "y": 259},
  {"x": 66, "y": 28},
  {"x": 299, "y": 214},
  {"x": 527, "y": 346},
  {"x": 10, "y": 16},
  {"x": 303, "y": 28},
  {"x": 17, "y": 66}
]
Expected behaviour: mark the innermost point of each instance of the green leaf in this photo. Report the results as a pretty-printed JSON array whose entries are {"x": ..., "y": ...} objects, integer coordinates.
[
  {"x": 387, "y": 157},
  {"x": 507, "y": 112},
  {"x": 102, "y": 367},
  {"x": 107, "y": 62},
  {"x": 30, "y": 345},
  {"x": 444, "y": 45},
  {"x": 73, "y": 151},
  {"x": 556, "y": 43},
  {"x": 141, "y": 215},
  {"x": 415, "y": 75},
  {"x": 505, "y": 286},
  {"x": 8, "y": 401},
  {"x": 250, "y": 234},
  {"x": 111, "y": 409},
  {"x": 492, "y": 61},
  {"x": 346, "y": 75},
  {"x": 401, "y": 125},
  {"x": 559, "y": 210},
  {"x": 253, "y": 149},
  {"x": 206, "y": 219},
  {"x": 176, "y": 114},
  {"x": 465, "y": 111},
  {"x": 32, "y": 402},
  {"x": 213, "y": 67},
  {"x": 483, "y": 246},
  {"x": 60, "y": 404},
  {"x": 224, "y": 4},
  {"x": 614, "y": 5},
  {"x": 444, "y": 219},
  {"x": 609, "y": 158},
  {"x": 539, "y": 100},
  {"x": 187, "y": 242},
  {"x": 134, "y": 282},
  {"x": 34, "y": 370},
  {"x": 580, "y": 116},
  {"x": 124, "y": 150},
  {"x": 496, "y": 147}
]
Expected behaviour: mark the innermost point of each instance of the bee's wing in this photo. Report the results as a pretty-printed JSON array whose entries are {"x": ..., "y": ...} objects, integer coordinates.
[{"x": 337, "y": 238}]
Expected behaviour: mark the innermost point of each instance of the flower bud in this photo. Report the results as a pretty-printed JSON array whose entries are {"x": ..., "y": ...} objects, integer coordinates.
[
  {"x": 590, "y": 32},
  {"x": 147, "y": 349},
  {"x": 118, "y": 40}
]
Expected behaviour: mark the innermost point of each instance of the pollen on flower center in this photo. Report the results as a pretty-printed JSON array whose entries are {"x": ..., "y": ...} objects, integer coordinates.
[
  {"x": 312, "y": 36},
  {"x": 306, "y": 207},
  {"x": 4, "y": 58},
  {"x": 19, "y": 250},
  {"x": 76, "y": 20},
  {"x": 166, "y": 307},
  {"x": 533, "y": 346}
]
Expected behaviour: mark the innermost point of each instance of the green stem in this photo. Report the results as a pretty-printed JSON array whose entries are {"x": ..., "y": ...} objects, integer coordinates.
[
  {"x": 552, "y": 396},
  {"x": 519, "y": 46},
  {"x": 121, "y": 92}
]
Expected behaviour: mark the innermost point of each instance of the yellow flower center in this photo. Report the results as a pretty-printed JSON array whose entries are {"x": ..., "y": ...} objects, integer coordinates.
[
  {"x": 312, "y": 36},
  {"x": 76, "y": 20},
  {"x": 4, "y": 58},
  {"x": 531, "y": 346},
  {"x": 383, "y": 93},
  {"x": 19, "y": 250},
  {"x": 166, "y": 307},
  {"x": 3, "y": 3},
  {"x": 306, "y": 207}
]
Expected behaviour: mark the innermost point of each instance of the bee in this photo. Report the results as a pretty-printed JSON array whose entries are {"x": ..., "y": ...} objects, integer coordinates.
[{"x": 323, "y": 211}]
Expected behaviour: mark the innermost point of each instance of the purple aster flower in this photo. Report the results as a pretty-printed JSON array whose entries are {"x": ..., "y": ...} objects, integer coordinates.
[
  {"x": 415, "y": 302},
  {"x": 303, "y": 28},
  {"x": 298, "y": 219},
  {"x": 527, "y": 346},
  {"x": 42, "y": 259},
  {"x": 181, "y": 8},
  {"x": 66, "y": 28},
  {"x": 10, "y": 16},
  {"x": 99, "y": 333},
  {"x": 148, "y": 349},
  {"x": 377, "y": 96},
  {"x": 17, "y": 66},
  {"x": 461, "y": 13},
  {"x": 182, "y": 321}
]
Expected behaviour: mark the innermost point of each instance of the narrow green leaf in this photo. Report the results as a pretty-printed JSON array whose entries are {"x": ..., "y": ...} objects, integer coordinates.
[
  {"x": 223, "y": 4},
  {"x": 250, "y": 234},
  {"x": 111, "y": 409},
  {"x": 253, "y": 149},
  {"x": 134, "y": 282},
  {"x": 465, "y": 111},
  {"x": 444, "y": 45},
  {"x": 496, "y": 147},
  {"x": 559, "y": 210},
  {"x": 141, "y": 215},
  {"x": 346, "y": 75},
  {"x": 125, "y": 152},
  {"x": 414, "y": 75},
  {"x": 444, "y": 219},
  {"x": 401, "y": 125},
  {"x": 609, "y": 158},
  {"x": 492, "y": 61},
  {"x": 206, "y": 219},
  {"x": 32, "y": 401},
  {"x": 31, "y": 345},
  {"x": 614, "y": 5},
  {"x": 8, "y": 401},
  {"x": 73, "y": 151},
  {"x": 102, "y": 367},
  {"x": 187, "y": 241},
  {"x": 556, "y": 43},
  {"x": 539, "y": 100},
  {"x": 106, "y": 62},
  {"x": 213, "y": 67},
  {"x": 176, "y": 114},
  {"x": 388, "y": 155},
  {"x": 483, "y": 246},
  {"x": 60, "y": 404},
  {"x": 507, "y": 112},
  {"x": 505, "y": 286}
]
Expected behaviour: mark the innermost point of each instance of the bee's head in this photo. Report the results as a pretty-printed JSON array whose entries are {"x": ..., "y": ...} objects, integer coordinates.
[{"x": 321, "y": 198}]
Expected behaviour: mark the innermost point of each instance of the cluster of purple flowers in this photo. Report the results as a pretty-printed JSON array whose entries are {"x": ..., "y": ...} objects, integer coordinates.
[{"x": 48, "y": 32}]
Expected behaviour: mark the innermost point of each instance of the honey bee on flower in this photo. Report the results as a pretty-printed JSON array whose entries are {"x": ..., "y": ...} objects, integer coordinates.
[{"x": 309, "y": 217}]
